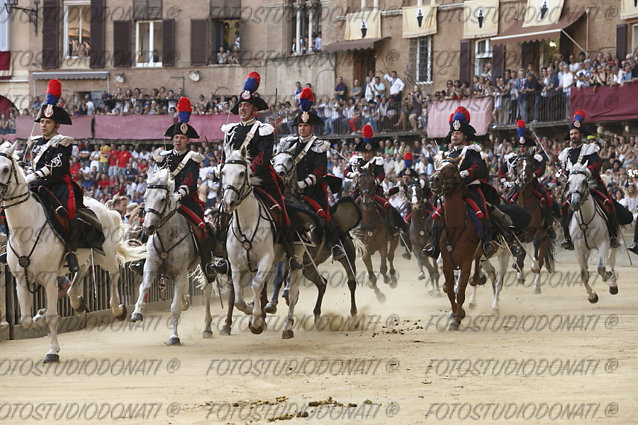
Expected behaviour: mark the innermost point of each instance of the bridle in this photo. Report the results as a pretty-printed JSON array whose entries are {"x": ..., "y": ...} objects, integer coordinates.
[
  {"x": 583, "y": 196},
  {"x": 22, "y": 197},
  {"x": 246, "y": 188},
  {"x": 449, "y": 182},
  {"x": 160, "y": 214},
  {"x": 287, "y": 170}
]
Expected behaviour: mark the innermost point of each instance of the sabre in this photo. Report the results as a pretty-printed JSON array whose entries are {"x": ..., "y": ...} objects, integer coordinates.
[
  {"x": 538, "y": 142},
  {"x": 624, "y": 242},
  {"x": 307, "y": 252}
]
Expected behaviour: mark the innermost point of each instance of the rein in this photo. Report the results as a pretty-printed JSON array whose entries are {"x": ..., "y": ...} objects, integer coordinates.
[
  {"x": 584, "y": 225},
  {"x": 163, "y": 253},
  {"x": 26, "y": 195}
]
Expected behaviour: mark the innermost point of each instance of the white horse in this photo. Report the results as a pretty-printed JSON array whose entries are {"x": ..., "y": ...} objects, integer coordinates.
[
  {"x": 171, "y": 251},
  {"x": 3, "y": 291},
  {"x": 496, "y": 276},
  {"x": 35, "y": 254},
  {"x": 250, "y": 243},
  {"x": 588, "y": 230}
]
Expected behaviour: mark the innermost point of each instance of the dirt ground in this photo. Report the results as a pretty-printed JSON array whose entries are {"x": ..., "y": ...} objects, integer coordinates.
[{"x": 546, "y": 358}]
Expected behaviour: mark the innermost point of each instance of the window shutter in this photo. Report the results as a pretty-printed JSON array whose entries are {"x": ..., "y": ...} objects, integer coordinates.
[
  {"x": 145, "y": 10},
  {"x": 199, "y": 42},
  {"x": 464, "y": 61},
  {"x": 621, "y": 41},
  {"x": 122, "y": 50},
  {"x": 498, "y": 60},
  {"x": 168, "y": 43},
  {"x": 98, "y": 19},
  {"x": 528, "y": 53},
  {"x": 50, "y": 34}
]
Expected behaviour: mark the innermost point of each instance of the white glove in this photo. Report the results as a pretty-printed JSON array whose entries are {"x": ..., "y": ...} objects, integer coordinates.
[
  {"x": 508, "y": 184},
  {"x": 301, "y": 184},
  {"x": 464, "y": 174},
  {"x": 176, "y": 197},
  {"x": 31, "y": 178},
  {"x": 538, "y": 157},
  {"x": 217, "y": 170},
  {"x": 353, "y": 175}
]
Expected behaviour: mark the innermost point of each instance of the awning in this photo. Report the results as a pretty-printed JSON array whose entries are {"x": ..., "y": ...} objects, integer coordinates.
[
  {"x": 71, "y": 75},
  {"x": 344, "y": 45},
  {"x": 517, "y": 34}
]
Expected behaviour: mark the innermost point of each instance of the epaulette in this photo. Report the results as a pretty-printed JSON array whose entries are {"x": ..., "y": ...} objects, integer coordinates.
[
  {"x": 227, "y": 127},
  {"x": 320, "y": 146},
  {"x": 197, "y": 157},
  {"x": 266, "y": 129}
]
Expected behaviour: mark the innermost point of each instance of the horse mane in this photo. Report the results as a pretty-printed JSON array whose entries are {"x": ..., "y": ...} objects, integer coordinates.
[
  {"x": 163, "y": 175},
  {"x": 6, "y": 147},
  {"x": 236, "y": 155}
]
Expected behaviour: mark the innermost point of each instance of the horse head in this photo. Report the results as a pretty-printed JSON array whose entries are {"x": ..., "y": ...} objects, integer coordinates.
[
  {"x": 416, "y": 195},
  {"x": 368, "y": 189},
  {"x": 236, "y": 180},
  {"x": 283, "y": 160},
  {"x": 447, "y": 176},
  {"x": 158, "y": 200},
  {"x": 8, "y": 168},
  {"x": 577, "y": 185},
  {"x": 524, "y": 171}
]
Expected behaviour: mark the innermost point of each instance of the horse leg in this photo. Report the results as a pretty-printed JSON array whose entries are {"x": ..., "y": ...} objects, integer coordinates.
[
  {"x": 367, "y": 261},
  {"x": 519, "y": 265},
  {"x": 448, "y": 286},
  {"x": 51, "y": 288},
  {"x": 584, "y": 273},
  {"x": 604, "y": 253},
  {"x": 293, "y": 297},
  {"x": 433, "y": 271},
  {"x": 383, "y": 268},
  {"x": 419, "y": 263},
  {"x": 225, "y": 330},
  {"x": 459, "y": 313},
  {"x": 394, "y": 242},
  {"x": 313, "y": 275},
  {"x": 150, "y": 275},
  {"x": 280, "y": 268},
  {"x": 540, "y": 249},
  {"x": 497, "y": 282},
  {"x": 181, "y": 280},
  {"x": 3, "y": 302},
  {"x": 256, "y": 324},
  {"x": 208, "y": 318},
  {"x": 347, "y": 262},
  {"x": 76, "y": 291},
  {"x": 240, "y": 277},
  {"x": 612, "y": 279},
  {"x": 119, "y": 310}
]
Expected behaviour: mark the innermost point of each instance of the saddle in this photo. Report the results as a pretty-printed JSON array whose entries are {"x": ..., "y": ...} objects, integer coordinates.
[{"x": 91, "y": 234}]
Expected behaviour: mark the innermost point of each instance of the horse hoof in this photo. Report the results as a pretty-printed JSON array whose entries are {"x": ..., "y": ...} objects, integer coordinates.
[
  {"x": 393, "y": 283},
  {"x": 496, "y": 311},
  {"x": 225, "y": 330},
  {"x": 256, "y": 329},
  {"x": 537, "y": 289},
  {"x": 174, "y": 341},
  {"x": 482, "y": 280},
  {"x": 123, "y": 314},
  {"x": 4, "y": 325},
  {"x": 136, "y": 317},
  {"x": 613, "y": 290},
  {"x": 421, "y": 276},
  {"x": 521, "y": 282},
  {"x": 287, "y": 334},
  {"x": 83, "y": 306},
  {"x": 51, "y": 358},
  {"x": 207, "y": 334},
  {"x": 451, "y": 315},
  {"x": 406, "y": 256},
  {"x": 471, "y": 306},
  {"x": 535, "y": 269},
  {"x": 453, "y": 326},
  {"x": 462, "y": 314},
  {"x": 386, "y": 279},
  {"x": 593, "y": 300},
  {"x": 271, "y": 308},
  {"x": 186, "y": 303},
  {"x": 438, "y": 293}
]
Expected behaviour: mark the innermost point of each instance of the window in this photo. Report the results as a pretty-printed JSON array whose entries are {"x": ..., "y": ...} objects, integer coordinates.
[
  {"x": 634, "y": 38},
  {"x": 77, "y": 29},
  {"x": 226, "y": 42},
  {"x": 148, "y": 43},
  {"x": 482, "y": 55},
  {"x": 424, "y": 60}
]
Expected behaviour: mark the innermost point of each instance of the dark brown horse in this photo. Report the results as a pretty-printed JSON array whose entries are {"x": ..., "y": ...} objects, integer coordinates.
[
  {"x": 420, "y": 235},
  {"x": 459, "y": 242},
  {"x": 374, "y": 232},
  {"x": 537, "y": 230}
]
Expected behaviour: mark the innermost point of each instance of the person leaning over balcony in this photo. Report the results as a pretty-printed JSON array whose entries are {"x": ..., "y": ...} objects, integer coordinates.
[{"x": 396, "y": 85}]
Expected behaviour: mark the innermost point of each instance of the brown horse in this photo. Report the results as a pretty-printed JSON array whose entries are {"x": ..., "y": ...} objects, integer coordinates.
[
  {"x": 459, "y": 242},
  {"x": 420, "y": 235},
  {"x": 537, "y": 230},
  {"x": 374, "y": 232}
]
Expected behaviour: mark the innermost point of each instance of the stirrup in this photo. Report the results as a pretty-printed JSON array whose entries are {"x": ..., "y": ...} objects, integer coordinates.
[
  {"x": 3, "y": 258},
  {"x": 430, "y": 251},
  {"x": 294, "y": 263},
  {"x": 567, "y": 244},
  {"x": 219, "y": 266},
  {"x": 515, "y": 250},
  {"x": 489, "y": 249},
  {"x": 613, "y": 242},
  {"x": 634, "y": 248},
  {"x": 337, "y": 253},
  {"x": 137, "y": 267}
]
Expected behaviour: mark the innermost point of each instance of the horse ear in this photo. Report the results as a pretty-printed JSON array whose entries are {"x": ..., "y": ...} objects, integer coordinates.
[
  {"x": 243, "y": 151},
  {"x": 13, "y": 148}
]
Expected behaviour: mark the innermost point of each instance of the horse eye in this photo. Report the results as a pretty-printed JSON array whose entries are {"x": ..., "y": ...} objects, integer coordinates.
[
  {"x": 241, "y": 174},
  {"x": 5, "y": 170}
]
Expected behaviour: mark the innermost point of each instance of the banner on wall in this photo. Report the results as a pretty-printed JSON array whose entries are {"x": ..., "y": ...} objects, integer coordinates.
[
  {"x": 363, "y": 25},
  {"x": 480, "y": 110},
  {"x": 419, "y": 21},
  {"x": 542, "y": 12},
  {"x": 480, "y": 18}
]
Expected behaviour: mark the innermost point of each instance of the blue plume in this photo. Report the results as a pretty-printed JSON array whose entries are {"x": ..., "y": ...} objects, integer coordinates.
[
  {"x": 184, "y": 116},
  {"x": 520, "y": 131},
  {"x": 51, "y": 100},
  {"x": 305, "y": 104},
  {"x": 251, "y": 85},
  {"x": 460, "y": 117}
]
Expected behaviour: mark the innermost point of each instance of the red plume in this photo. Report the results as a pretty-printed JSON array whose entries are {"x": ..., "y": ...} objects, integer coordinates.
[
  {"x": 255, "y": 75},
  {"x": 451, "y": 116},
  {"x": 306, "y": 93},
  {"x": 520, "y": 123},
  {"x": 55, "y": 88},
  {"x": 464, "y": 112},
  {"x": 184, "y": 105},
  {"x": 581, "y": 113},
  {"x": 367, "y": 131}
]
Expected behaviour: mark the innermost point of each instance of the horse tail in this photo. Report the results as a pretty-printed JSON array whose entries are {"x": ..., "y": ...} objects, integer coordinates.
[
  {"x": 359, "y": 246},
  {"x": 549, "y": 258},
  {"x": 126, "y": 251}
]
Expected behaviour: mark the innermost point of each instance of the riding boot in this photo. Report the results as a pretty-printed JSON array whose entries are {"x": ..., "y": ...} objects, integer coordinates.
[
  {"x": 332, "y": 236},
  {"x": 489, "y": 247},
  {"x": 549, "y": 222},
  {"x": 634, "y": 247},
  {"x": 206, "y": 255},
  {"x": 431, "y": 249},
  {"x": 72, "y": 244},
  {"x": 612, "y": 225},
  {"x": 564, "y": 222},
  {"x": 503, "y": 223},
  {"x": 288, "y": 242},
  {"x": 3, "y": 258}
]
